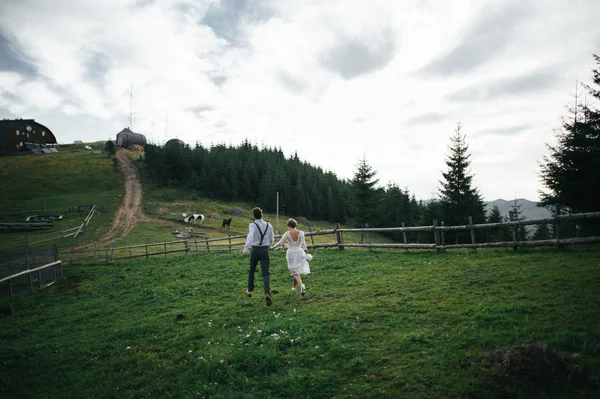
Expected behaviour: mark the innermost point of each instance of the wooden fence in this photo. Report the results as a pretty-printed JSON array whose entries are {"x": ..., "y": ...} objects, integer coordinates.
[
  {"x": 236, "y": 243},
  {"x": 34, "y": 278},
  {"x": 12, "y": 262}
]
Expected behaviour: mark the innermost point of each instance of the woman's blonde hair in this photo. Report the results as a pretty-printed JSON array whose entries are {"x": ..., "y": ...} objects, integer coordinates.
[{"x": 292, "y": 223}]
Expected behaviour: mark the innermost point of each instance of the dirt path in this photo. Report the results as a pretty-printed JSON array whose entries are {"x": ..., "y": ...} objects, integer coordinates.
[{"x": 130, "y": 212}]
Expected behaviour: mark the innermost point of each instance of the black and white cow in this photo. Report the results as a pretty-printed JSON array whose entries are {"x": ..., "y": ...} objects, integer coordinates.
[{"x": 193, "y": 218}]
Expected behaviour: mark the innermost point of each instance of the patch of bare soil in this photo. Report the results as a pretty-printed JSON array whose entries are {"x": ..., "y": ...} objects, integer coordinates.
[
  {"x": 70, "y": 283},
  {"x": 532, "y": 367},
  {"x": 130, "y": 212}
]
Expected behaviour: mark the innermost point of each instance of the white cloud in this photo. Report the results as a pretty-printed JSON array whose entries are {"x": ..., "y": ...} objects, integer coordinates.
[{"x": 333, "y": 81}]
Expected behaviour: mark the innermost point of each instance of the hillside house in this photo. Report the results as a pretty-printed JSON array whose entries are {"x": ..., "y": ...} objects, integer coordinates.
[
  {"x": 21, "y": 136},
  {"x": 126, "y": 138}
]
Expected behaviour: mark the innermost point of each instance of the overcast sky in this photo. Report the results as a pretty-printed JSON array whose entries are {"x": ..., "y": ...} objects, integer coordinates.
[{"x": 334, "y": 81}]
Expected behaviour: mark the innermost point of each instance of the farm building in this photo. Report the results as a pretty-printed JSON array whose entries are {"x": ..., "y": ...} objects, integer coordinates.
[
  {"x": 20, "y": 136},
  {"x": 174, "y": 142},
  {"x": 126, "y": 138}
]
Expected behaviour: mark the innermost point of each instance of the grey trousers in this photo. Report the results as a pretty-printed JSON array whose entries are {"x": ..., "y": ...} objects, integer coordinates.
[{"x": 260, "y": 254}]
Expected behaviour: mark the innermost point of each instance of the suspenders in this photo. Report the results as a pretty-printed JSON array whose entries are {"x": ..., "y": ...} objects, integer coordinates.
[{"x": 262, "y": 235}]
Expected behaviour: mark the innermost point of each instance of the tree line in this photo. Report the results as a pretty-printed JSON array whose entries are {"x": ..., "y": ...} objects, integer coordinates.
[{"x": 248, "y": 173}]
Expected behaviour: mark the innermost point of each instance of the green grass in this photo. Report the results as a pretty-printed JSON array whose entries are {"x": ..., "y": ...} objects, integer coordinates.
[
  {"x": 376, "y": 324},
  {"x": 56, "y": 182}
]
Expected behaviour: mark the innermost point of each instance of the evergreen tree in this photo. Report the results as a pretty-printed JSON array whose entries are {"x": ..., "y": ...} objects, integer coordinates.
[
  {"x": 517, "y": 215},
  {"x": 572, "y": 170},
  {"x": 542, "y": 232},
  {"x": 109, "y": 147},
  {"x": 364, "y": 191},
  {"x": 459, "y": 199},
  {"x": 497, "y": 233}
]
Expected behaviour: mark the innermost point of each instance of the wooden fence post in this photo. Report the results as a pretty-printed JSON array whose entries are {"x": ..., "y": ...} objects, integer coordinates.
[
  {"x": 229, "y": 235},
  {"x": 207, "y": 247},
  {"x": 185, "y": 246},
  {"x": 368, "y": 236},
  {"x": 112, "y": 254},
  {"x": 165, "y": 248},
  {"x": 55, "y": 250},
  {"x": 472, "y": 232},
  {"x": 10, "y": 291},
  {"x": 29, "y": 283},
  {"x": 146, "y": 247},
  {"x": 40, "y": 278},
  {"x": 362, "y": 233},
  {"x": 130, "y": 251},
  {"x": 196, "y": 243},
  {"x": 338, "y": 234},
  {"x": 436, "y": 236},
  {"x": 312, "y": 238},
  {"x": 443, "y": 236},
  {"x": 555, "y": 225},
  {"x": 404, "y": 236}
]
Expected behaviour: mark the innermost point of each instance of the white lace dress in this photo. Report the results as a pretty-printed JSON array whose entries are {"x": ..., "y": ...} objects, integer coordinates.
[{"x": 295, "y": 256}]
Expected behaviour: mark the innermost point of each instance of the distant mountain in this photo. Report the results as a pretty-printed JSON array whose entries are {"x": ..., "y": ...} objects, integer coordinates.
[{"x": 529, "y": 209}]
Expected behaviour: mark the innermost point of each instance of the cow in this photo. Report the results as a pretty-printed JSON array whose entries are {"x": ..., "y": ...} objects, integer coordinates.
[{"x": 193, "y": 218}]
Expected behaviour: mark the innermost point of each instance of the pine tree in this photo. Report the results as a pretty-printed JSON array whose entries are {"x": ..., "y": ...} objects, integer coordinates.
[
  {"x": 109, "y": 147},
  {"x": 497, "y": 233},
  {"x": 572, "y": 170},
  {"x": 459, "y": 199},
  {"x": 517, "y": 215},
  {"x": 364, "y": 191},
  {"x": 542, "y": 232}
]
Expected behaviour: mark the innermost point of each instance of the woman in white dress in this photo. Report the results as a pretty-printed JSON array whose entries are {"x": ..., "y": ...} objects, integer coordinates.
[{"x": 297, "y": 255}]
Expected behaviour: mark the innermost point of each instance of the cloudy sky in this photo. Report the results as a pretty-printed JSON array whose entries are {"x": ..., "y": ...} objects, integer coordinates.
[{"x": 334, "y": 81}]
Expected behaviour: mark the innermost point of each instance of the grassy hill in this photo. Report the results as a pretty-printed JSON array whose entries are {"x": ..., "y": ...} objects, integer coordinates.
[
  {"x": 374, "y": 324},
  {"x": 381, "y": 323},
  {"x": 54, "y": 183}
]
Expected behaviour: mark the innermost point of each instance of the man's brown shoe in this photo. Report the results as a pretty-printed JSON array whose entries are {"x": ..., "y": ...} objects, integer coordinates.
[{"x": 268, "y": 300}]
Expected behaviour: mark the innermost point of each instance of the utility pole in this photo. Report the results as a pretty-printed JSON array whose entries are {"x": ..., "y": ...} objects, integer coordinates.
[{"x": 131, "y": 107}]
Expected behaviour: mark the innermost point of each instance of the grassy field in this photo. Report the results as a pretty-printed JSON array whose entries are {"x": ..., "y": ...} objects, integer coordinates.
[
  {"x": 53, "y": 183},
  {"x": 375, "y": 324}
]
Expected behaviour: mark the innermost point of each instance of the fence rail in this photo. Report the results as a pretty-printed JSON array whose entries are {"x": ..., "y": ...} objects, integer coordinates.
[
  {"x": 31, "y": 279},
  {"x": 236, "y": 242}
]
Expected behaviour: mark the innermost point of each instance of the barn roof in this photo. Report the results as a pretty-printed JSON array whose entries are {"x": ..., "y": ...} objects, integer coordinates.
[{"x": 126, "y": 137}]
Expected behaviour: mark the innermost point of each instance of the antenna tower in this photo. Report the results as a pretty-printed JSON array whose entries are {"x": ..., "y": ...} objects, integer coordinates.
[{"x": 131, "y": 106}]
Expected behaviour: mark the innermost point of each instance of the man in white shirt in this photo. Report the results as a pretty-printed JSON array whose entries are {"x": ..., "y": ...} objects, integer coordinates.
[{"x": 260, "y": 238}]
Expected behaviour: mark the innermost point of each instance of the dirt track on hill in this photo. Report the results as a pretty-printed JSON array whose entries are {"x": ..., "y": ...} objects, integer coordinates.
[{"x": 130, "y": 212}]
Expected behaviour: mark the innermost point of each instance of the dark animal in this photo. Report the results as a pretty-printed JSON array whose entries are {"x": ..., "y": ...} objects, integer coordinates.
[{"x": 226, "y": 222}]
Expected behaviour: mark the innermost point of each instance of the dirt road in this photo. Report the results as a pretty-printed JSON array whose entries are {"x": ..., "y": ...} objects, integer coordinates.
[{"x": 130, "y": 212}]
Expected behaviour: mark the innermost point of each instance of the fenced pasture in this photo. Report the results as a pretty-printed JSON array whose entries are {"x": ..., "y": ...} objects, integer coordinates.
[
  {"x": 375, "y": 323},
  {"x": 335, "y": 238},
  {"x": 61, "y": 184}
]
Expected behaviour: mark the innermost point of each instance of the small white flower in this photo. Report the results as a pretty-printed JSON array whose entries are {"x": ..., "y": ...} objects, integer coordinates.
[
  {"x": 129, "y": 347},
  {"x": 247, "y": 335},
  {"x": 222, "y": 360},
  {"x": 275, "y": 335},
  {"x": 258, "y": 331},
  {"x": 317, "y": 347},
  {"x": 190, "y": 351}
]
